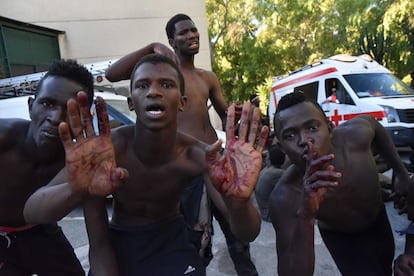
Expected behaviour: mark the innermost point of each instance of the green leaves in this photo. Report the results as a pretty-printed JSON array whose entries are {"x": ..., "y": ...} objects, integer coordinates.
[{"x": 253, "y": 40}]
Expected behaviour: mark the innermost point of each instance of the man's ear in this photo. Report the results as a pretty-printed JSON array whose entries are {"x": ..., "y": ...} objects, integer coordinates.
[
  {"x": 330, "y": 126},
  {"x": 183, "y": 102},
  {"x": 171, "y": 42},
  {"x": 130, "y": 104},
  {"x": 30, "y": 101}
]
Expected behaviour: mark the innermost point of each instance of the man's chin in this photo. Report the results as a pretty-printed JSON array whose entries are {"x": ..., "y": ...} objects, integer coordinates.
[{"x": 48, "y": 143}]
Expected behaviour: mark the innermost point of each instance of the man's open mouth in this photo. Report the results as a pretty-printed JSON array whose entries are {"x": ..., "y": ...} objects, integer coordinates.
[{"x": 155, "y": 109}]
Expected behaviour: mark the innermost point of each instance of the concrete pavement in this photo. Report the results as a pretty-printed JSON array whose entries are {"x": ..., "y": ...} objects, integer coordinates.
[{"x": 263, "y": 249}]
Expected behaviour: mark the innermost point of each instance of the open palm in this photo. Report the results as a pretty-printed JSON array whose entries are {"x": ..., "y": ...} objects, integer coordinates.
[
  {"x": 236, "y": 172},
  {"x": 90, "y": 159}
]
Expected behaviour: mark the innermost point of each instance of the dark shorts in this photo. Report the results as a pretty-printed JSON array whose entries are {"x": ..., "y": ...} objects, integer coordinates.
[
  {"x": 190, "y": 208},
  {"x": 190, "y": 200},
  {"x": 42, "y": 250},
  {"x": 161, "y": 248},
  {"x": 368, "y": 252}
]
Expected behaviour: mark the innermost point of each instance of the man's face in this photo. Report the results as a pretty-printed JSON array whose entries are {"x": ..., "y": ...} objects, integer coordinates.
[
  {"x": 299, "y": 124},
  {"x": 186, "y": 38},
  {"x": 48, "y": 109},
  {"x": 155, "y": 95}
]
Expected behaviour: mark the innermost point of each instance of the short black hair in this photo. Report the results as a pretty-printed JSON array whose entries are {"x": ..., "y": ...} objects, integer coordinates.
[
  {"x": 276, "y": 155},
  {"x": 157, "y": 59},
  {"x": 292, "y": 99},
  {"x": 170, "y": 27},
  {"x": 70, "y": 69}
]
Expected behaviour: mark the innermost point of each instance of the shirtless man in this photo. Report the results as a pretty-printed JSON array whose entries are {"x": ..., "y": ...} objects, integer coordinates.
[
  {"x": 31, "y": 154},
  {"x": 333, "y": 179},
  {"x": 147, "y": 231},
  {"x": 200, "y": 86}
]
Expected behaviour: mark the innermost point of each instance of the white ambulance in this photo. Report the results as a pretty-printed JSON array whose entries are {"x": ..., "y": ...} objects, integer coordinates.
[{"x": 362, "y": 86}]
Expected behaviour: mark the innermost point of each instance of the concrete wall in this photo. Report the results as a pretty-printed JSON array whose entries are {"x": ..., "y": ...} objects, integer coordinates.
[{"x": 98, "y": 30}]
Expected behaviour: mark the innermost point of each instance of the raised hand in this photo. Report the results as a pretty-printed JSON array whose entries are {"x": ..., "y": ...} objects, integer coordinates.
[
  {"x": 317, "y": 179},
  {"x": 159, "y": 48},
  {"x": 404, "y": 265},
  {"x": 90, "y": 158},
  {"x": 235, "y": 174}
]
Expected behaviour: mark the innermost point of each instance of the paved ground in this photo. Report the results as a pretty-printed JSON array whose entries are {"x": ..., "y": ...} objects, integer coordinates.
[{"x": 262, "y": 249}]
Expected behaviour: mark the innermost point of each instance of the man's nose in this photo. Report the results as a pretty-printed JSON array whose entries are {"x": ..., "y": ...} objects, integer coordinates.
[
  {"x": 57, "y": 115},
  {"x": 154, "y": 91},
  {"x": 305, "y": 138}
]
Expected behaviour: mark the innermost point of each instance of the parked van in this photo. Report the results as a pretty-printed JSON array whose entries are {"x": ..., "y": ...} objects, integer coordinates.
[
  {"x": 117, "y": 106},
  {"x": 348, "y": 86}
]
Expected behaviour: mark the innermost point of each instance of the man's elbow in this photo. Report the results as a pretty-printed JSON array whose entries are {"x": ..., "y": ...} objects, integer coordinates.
[{"x": 110, "y": 76}]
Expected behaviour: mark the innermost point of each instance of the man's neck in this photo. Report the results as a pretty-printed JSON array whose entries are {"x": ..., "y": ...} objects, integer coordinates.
[
  {"x": 154, "y": 147},
  {"x": 186, "y": 62}
]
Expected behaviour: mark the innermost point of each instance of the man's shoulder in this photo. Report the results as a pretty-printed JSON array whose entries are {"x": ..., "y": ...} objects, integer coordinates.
[
  {"x": 122, "y": 135},
  {"x": 13, "y": 126},
  {"x": 186, "y": 140},
  {"x": 206, "y": 74},
  {"x": 12, "y": 132},
  {"x": 291, "y": 177}
]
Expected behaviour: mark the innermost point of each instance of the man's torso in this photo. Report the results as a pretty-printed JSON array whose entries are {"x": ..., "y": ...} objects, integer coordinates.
[
  {"x": 194, "y": 120},
  {"x": 153, "y": 192},
  {"x": 21, "y": 174}
]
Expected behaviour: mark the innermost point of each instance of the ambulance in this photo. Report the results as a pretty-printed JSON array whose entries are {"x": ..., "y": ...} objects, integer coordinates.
[{"x": 348, "y": 86}]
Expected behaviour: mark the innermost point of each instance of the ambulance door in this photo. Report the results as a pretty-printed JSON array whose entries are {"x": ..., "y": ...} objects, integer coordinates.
[{"x": 338, "y": 103}]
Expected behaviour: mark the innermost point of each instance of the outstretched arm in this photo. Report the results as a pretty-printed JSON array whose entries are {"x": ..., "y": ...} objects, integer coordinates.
[
  {"x": 384, "y": 146},
  {"x": 101, "y": 255},
  {"x": 293, "y": 208},
  {"x": 90, "y": 165},
  {"x": 235, "y": 174},
  {"x": 122, "y": 68}
]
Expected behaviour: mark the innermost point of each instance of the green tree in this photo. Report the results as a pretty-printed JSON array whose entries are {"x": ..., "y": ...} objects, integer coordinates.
[{"x": 254, "y": 40}]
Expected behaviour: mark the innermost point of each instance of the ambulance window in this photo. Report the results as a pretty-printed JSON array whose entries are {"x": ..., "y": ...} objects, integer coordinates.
[
  {"x": 310, "y": 90},
  {"x": 341, "y": 93}
]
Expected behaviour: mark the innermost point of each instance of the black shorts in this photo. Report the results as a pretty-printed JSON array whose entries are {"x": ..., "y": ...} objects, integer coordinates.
[
  {"x": 42, "y": 250},
  {"x": 367, "y": 252},
  {"x": 161, "y": 248}
]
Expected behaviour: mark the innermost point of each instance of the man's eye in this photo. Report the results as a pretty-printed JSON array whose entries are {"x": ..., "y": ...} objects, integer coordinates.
[
  {"x": 289, "y": 136},
  {"x": 313, "y": 127},
  {"x": 46, "y": 104},
  {"x": 167, "y": 85},
  {"x": 141, "y": 85}
]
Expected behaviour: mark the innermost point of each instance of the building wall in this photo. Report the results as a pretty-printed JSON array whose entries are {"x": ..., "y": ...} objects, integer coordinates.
[{"x": 97, "y": 30}]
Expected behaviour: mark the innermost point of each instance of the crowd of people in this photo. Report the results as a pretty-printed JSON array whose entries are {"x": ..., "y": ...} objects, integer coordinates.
[{"x": 169, "y": 176}]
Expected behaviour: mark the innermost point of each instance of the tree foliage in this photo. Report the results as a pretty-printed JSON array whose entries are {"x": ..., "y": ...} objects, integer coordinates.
[{"x": 254, "y": 40}]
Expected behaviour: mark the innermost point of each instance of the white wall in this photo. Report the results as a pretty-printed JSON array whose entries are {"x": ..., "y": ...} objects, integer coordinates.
[{"x": 99, "y": 30}]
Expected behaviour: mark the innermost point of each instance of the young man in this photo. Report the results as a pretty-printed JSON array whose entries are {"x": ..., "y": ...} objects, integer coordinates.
[
  {"x": 31, "y": 154},
  {"x": 200, "y": 86},
  {"x": 147, "y": 232},
  {"x": 333, "y": 179}
]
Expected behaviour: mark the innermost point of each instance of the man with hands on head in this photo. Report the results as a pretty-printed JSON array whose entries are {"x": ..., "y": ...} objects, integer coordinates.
[
  {"x": 333, "y": 179},
  {"x": 146, "y": 167}
]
